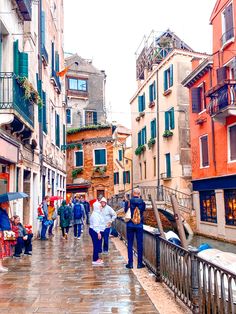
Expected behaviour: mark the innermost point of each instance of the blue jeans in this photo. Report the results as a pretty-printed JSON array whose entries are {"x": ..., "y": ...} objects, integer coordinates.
[
  {"x": 139, "y": 237},
  {"x": 77, "y": 230},
  {"x": 50, "y": 228},
  {"x": 105, "y": 236},
  {"x": 23, "y": 244},
  {"x": 96, "y": 244},
  {"x": 44, "y": 229}
]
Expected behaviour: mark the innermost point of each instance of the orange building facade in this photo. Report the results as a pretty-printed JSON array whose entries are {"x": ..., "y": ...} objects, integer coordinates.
[{"x": 212, "y": 86}]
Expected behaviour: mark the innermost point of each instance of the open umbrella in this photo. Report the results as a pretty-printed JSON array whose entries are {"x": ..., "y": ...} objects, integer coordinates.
[
  {"x": 55, "y": 198},
  {"x": 11, "y": 196}
]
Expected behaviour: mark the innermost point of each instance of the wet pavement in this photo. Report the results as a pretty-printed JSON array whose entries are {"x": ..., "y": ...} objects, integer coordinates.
[{"x": 59, "y": 278}]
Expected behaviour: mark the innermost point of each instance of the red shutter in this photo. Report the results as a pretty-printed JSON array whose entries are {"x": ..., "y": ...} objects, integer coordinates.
[
  {"x": 232, "y": 136},
  {"x": 221, "y": 74},
  {"x": 204, "y": 144},
  {"x": 196, "y": 99}
]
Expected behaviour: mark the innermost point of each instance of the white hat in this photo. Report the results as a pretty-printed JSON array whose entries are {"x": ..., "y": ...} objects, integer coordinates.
[{"x": 103, "y": 200}]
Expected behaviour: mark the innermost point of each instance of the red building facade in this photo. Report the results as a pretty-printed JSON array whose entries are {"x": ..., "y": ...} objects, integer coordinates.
[{"x": 212, "y": 86}]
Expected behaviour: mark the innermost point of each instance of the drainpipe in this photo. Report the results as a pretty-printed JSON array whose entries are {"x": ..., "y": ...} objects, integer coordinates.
[{"x": 40, "y": 79}]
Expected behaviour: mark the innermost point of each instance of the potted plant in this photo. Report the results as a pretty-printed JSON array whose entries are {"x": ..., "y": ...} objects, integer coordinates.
[
  {"x": 151, "y": 142},
  {"x": 167, "y": 133},
  {"x": 100, "y": 170},
  {"x": 77, "y": 171},
  {"x": 140, "y": 149}
]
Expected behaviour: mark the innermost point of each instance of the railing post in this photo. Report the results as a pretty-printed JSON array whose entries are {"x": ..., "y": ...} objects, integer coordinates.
[
  {"x": 194, "y": 281},
  {"x": 158, "y": 258}
]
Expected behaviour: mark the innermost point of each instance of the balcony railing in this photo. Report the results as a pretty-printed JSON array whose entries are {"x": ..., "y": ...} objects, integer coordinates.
[
  {"x": 56, "y": 80},
  {"x": 227, "y": 36},
  {"x": 44, "y": 55},
  {"x": 12, "y": 97},
  {"x": 25, "y": 7},
  {"x": 223, "y": 99}
]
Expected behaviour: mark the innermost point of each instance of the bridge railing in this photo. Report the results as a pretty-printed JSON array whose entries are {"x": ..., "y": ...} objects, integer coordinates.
[{"x": 202, "y": 286}]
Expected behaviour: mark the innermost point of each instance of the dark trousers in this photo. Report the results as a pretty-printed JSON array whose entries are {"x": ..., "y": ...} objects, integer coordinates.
[
  {"x": 77, "y": 230},
  {"x": 44, "y": 229},
  {"x": 87, "y": 217},
  {"x": 96, "y": 244},
  {"x": 23, "y": 244},
  {"x": 50, "y": 228},
  {"x": 139, "y": 237},
  {"x": 105, "y": 237},
  {"x": 63, "y": 230}
]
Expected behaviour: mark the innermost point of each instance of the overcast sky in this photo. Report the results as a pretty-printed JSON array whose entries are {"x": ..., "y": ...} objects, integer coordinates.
[{"x": 109, "y": 32}]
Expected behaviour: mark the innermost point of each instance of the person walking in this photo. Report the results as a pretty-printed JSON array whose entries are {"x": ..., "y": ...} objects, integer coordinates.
[
  {"x": 86, "y": 208},
  {"x": 65, "y": 213},
  {"x": 45, "y": 218},
  {"x": 51, "y": 217},
  {"x": 5, "y": 225},
  {"x": 135, "y": 226},
  {"x": 109, "y": 216},
  {"x": 97, "y": 226},
  {"x": 78, "y": 214}
]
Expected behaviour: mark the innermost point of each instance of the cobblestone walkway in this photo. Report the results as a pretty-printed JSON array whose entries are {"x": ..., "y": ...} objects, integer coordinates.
[{"x": 59, "y": 278}]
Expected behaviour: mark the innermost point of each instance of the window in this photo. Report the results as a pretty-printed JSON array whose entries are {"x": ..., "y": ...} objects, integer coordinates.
[
  {"x": 168, "y": 165},
  {"x": 49, "y": 176},
  {"x": 198, "y": 98},
  {"x": 152, "y": 92},
  {"x": 68, "y": 116},
  {"x": 126, "y": 177},
  {"x": 230, "y": 207},
  {"x": 141, "y": 103},
  {"x": 100, "y": 157},
  {"x": 64, "y": 135},
  {"x": 154, "y": 166},
  {"x": 170, "y": 119},
  {"x": 168, "y": 78},
  {"x": 227, "y": 24},
  {"x": 116, "y": 177},
  {"x": 91, "y": 118},
  {"x": 232, "y": 142},
  {"x": 204, "y": 158},
  {"x": 77, "y": 84},
  {"x": 145, "y": 169},
  {"x": 120, "y": 155},
  {"x": 142, "y": 136},
  {"x": 79, "y": 158},
  {"x": 153, "y": 128},
  {"x": 208, "y": 206}
]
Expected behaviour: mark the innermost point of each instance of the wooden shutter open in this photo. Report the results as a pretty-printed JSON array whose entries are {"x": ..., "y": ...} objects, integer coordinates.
[
  {"x": 221, "y": 74},
  {"x": 196, "y": 99},
  {"x": 171, "y": 76},
  {"x": 205, "y": 158},
  {"x": 172, "y": 118}
]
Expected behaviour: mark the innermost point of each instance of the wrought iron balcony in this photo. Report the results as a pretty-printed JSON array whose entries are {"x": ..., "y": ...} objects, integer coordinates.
[
  {"x": 13, "y": 100},
  {"x": 56, "y": 81},
  {"x": 227, "y": 36},
  {"x": 25, "y": 7},
  {"x": 223, "y": 101},
  {"x": 44, "y": 55}
]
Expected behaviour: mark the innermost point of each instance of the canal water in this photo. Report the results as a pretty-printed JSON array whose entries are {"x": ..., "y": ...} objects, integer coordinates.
[{"x": 197, "y": 240}]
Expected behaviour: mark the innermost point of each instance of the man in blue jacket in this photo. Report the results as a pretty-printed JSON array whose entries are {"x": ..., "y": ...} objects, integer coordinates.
[{"x": 134, "y": 228}]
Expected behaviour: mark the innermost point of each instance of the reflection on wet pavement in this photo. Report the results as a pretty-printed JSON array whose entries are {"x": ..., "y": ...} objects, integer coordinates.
[{"x": 59, "y": 278}]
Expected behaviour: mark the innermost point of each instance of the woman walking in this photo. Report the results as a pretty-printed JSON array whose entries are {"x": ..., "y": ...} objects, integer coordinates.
[
  {"x": 97, "y": 225},
  {"x": 5, "y": 225},
  {"x": 65, "y": 213}
]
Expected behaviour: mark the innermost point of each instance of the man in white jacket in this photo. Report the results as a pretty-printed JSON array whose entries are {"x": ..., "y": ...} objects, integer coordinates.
[{"x": 109, "y": 216}]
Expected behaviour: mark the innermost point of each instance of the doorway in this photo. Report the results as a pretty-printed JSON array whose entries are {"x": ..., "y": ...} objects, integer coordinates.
[
  {"x": 100, "y": 192},
  {"x": 4, "y": 183},
  {"x": 26, "y": 201}
]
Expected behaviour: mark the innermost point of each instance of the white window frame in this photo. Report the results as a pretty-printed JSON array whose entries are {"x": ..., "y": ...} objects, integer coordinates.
[
  {"x": 79, "y": 150},
  {"x": 228, "y": 143},
  {"x": 71, "y": 122},
  {"x": 99, "y": 148},
  {"x": 200, "y": 150}
]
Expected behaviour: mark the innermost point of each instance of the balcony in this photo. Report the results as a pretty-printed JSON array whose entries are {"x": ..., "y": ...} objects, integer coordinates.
[
  {"x": 14, "y": 103},
  {"x": 56, "y": 81},
  {"x": 227, "y": 37},
  {"x": 44, "y": 55},
  {"x": 165, "y": 176},
  {"x": 25, "y": 7},
  {"x": 223, "y": 101}
]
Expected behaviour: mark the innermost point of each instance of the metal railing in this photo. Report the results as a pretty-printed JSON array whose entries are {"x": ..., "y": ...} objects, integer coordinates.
[
  {"x": 12, "y": 96},
  {"x": 56, "y": 79},
  {"x": 227, "y": 36},
  {"x": 25, "y": 7},
  {"x": 44, "y": 54},
  {"x": 202, "y": 286}
]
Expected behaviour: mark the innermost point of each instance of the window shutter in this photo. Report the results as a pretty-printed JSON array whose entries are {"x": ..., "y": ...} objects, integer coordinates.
[
  {"x": 114, "y": 178},
  {"x": 229, "y": 22},
  {"x": 168, "y": 166},
  {"x": 57, "y": 68},
  {"x": 232, "y": 135},
  {"x": 68, "y": 116},
  {"x": 171, "y": 75},
  {"x": 120, "y": 155},
  {"x": 23, "y": 64},
  {"x": 95, "y": 117},
  {"x": 79, "y": 159},
  {"x": 221, "y": 74},
  {"x": 165, "y": 80},
  {"x": 172, "y": 118},
  {"x": 153, "y": 128},
  {"x": 144, "y": 102},
  {"x": 58, "y": 131},
  {"x": 150, "y": 93},
  {"x": 64, "y": 135},
  {"x": 144, "y": 135},
  {"x": 39, "y": 88},
  {"x": 139, "y": 138},
  {"x": 53, "y": 57},
  {"x": 204, "y": 142},
  {"x": 127, "y": 176},
  {"x": 44, "y": 109},
  {"x": 196, "y": 99},
  {"x": 167, "y": 124},
  {"x": 124, "y": 177},
  {"x": 43, "y": 28},
  {"x": 16, "y": 57},
  {"x": 140, "y": 98}
]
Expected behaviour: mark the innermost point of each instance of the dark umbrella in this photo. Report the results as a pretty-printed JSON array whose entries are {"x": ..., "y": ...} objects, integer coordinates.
[{"x": 10, "y": 196}]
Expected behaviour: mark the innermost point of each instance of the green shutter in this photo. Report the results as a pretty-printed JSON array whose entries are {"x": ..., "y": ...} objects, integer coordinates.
[
  {"x": 140, "y": 103},
  {"x": 58, "y": 130},
  {"x": 165, "y": 80},
  {"x": 16, "y": 57},
  {"x": 153, "y": 128},
  {"x": 144, "y": 102},
  {"x": 120, "y": 155},
  {"x": 167, "y": 127},
  {"x": 53, "y": 57},
  {"x": 154, "y": 90},
  {"x": 168, "y": 166},
  {"x": 95, "y": 117},
  {"x": 172, "y": 118},
  {"x": 43, "y": 28},
  {"x": 114, "y": 178},
  {"x": 57, "y": 67},
  {"x": 39, "y": 88},
  {"x": 139, "y": 138},
  {"x": 124, "y": 177},
  {"x": 127, "y": 176},
  {"x": 44, "y": 109},
  {"x": 100, "y": 157},
  {"x": 79, "y": 159},
  {"x": 64, "y": 135},
  {"x": 171, "y": 75},
  {"x": 23, "y": 64},
  {"x": 150, "y": 93},
  {"x": 144, "y": 135}
]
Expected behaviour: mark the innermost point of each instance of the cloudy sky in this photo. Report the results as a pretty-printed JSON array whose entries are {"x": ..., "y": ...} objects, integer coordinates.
[{"x": 109, "y": 32}]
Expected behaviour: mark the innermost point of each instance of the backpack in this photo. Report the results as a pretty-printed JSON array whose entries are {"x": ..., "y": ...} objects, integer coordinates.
[
  {"x": 66, "y": 213},
  {"x": 77, "y": 211},
  {"x": 136, "y": 216}
]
